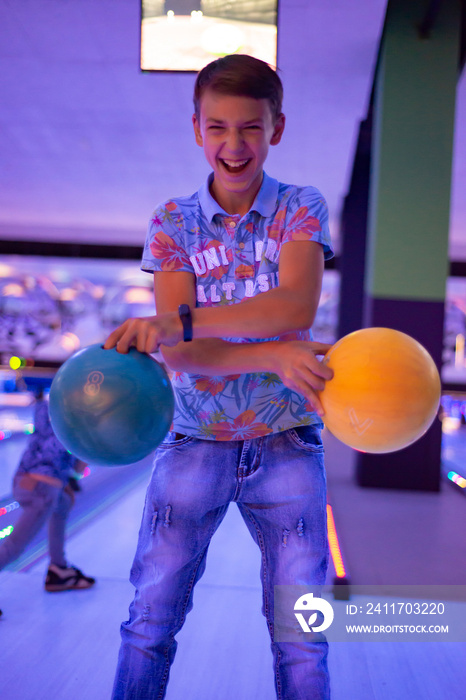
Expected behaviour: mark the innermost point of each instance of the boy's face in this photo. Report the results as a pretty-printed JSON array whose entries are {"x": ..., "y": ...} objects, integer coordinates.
[{"x": 235, "y": 133}]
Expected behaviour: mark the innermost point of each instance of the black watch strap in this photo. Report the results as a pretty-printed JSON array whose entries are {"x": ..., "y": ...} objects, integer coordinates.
[{"x": 187, "y": 321}]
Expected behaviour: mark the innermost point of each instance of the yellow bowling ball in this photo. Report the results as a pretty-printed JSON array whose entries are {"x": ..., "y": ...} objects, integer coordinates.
[{"x": 385, "y": 392}]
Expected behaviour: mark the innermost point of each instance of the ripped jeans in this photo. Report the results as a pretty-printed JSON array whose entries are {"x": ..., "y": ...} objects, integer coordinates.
[{"x": 279, "y": 485}]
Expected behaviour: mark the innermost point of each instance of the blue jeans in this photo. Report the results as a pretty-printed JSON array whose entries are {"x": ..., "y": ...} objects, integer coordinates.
[
  {"x": 279, "y": 485},
  {"x": 40, "y": 504}
]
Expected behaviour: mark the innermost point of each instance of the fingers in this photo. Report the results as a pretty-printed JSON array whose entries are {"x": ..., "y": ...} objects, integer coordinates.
[
  {"x": 152, "y": 343},
  {"x": 312, "y": 396},
  {"x": 304, "y": 373},
  {"x": 122, "y": 337},
  {"x": 138, "y": 332},
  {"x": 309, "y": 362},
  {"x": 301, "y": 376},
  {"x": 321, "y": 369},
  {"x": 138, "y": 338},
  {"x": 319, "y": 348},
  {"x": 316, "y": 404},
  {"x": 135, "y": 335},
  {"x": 146, "y": 334},
  {"x": 125, "y": 341},
  {"x": 113, "y": 338},
  {"x": 329, "y": 373}
]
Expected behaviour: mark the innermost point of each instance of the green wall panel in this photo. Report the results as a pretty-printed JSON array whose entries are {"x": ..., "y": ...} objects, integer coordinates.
[{"x": 412, "y": 153}]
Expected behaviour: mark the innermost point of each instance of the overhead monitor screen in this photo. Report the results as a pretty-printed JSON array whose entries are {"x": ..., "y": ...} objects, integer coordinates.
[{"x": 185, "y": 35}]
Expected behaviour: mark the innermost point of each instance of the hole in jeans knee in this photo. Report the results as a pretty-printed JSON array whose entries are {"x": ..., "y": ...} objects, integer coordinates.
[{"x": 300, "y": 527}]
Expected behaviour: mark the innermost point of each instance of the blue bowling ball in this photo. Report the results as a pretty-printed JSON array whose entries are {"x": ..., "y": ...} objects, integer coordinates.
[{"x": 109, "y": 408}]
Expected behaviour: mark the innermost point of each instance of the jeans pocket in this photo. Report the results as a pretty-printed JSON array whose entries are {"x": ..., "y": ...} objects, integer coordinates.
[
  {"x": 308, "y": 437},
  {"x": 173, "y": 439}
]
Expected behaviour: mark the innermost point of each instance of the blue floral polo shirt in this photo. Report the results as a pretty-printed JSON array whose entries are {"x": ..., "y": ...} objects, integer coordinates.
[{"x": 234, "y": 257}]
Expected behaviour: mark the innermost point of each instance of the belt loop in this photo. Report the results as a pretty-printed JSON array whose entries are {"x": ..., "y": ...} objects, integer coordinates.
[{"x": 244, "y": 451}]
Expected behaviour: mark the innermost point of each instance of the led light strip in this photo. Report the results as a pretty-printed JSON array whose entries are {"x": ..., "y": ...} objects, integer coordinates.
[
  {"x": 457, "y": 479},
  {"x": 334, "y": 545},
  {"x": 7, "y": 509}
]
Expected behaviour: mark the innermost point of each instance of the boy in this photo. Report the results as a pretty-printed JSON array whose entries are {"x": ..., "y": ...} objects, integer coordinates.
[{"x": 237, "y": 270}]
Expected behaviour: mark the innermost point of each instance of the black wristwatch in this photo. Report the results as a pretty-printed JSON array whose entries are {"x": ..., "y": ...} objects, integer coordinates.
[{"x": 187, "y": 321}]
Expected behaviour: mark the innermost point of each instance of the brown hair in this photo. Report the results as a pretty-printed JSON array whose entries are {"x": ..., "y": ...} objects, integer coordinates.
[{"x": 243, "y": 76}]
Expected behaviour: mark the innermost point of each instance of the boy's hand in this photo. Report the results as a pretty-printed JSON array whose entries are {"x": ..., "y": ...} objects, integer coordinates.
[
  {"x": 146, "y": 333},
  {"x": 300, "y": 370}
]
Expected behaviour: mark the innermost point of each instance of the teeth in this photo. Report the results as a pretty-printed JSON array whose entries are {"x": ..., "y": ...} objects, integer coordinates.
[{"x": 235, "y": 164}]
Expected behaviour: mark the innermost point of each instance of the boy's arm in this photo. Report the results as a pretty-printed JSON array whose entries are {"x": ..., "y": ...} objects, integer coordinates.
[{"x": 289, "y": 307}]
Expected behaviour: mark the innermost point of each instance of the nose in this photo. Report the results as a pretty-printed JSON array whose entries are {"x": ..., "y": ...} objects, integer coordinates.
[{"x": 234, "y": 140}]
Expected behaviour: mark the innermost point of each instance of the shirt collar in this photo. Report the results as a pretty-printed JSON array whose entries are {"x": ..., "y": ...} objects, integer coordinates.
[{"x": 265, "y": 202}]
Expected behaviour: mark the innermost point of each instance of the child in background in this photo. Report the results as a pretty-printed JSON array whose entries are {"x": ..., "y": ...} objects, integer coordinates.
[{"x": 42, "y": 487}]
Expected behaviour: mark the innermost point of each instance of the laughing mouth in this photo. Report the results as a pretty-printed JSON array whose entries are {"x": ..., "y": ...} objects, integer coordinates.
[{"x": 235, "y": 166}]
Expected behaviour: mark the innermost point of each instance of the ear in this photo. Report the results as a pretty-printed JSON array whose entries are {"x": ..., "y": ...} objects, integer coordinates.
[
  {"x": 278, "y": 130},
  {"x": 197, "y": 131}
]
